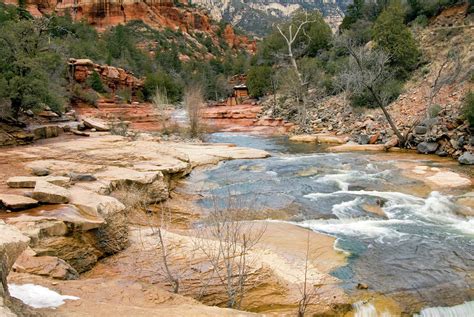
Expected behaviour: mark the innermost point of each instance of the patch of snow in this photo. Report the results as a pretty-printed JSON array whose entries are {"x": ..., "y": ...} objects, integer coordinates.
[{"x": 38, "y": 296}]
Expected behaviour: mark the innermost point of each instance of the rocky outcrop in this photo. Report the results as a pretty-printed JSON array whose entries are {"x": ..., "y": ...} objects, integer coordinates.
[
  {"x": 68, "y": 238},
  {"x": 12, "y": 135},
  {"x": 238, "y": 41},
  {"x": 113, "y": 77}
]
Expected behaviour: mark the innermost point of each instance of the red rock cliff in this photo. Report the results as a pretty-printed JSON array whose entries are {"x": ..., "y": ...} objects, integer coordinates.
[{"x": 105, "y": 13}]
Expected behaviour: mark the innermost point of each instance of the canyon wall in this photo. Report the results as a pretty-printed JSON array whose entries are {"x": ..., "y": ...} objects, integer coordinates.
[{"x": 104, "y": 13}]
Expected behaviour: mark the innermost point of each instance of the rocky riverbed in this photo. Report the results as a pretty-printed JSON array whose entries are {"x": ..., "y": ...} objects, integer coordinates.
[{"x": 70, "y": 225}]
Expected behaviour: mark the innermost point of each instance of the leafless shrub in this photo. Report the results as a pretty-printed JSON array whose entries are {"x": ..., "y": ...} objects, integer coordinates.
[
  {"x": 137, "y": 199},
  {"x": 118, "y": 127},
  {"x": 160, "y": 102},
  {"x": 194, "y": 102},
  {"x": 307, "y": 291},
  {"x": 226, "y": 241},
  {"x": 447, "y": 74}
]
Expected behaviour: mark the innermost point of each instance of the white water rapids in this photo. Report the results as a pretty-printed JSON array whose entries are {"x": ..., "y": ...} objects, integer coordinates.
[{"x": 362, "y": 309}]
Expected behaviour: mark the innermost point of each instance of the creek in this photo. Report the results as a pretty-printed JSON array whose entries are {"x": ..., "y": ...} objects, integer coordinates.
[{"x": 403, "y": 239}]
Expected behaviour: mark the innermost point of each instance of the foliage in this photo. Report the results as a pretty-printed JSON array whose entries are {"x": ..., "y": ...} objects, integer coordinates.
[
  {"x": 468, "y": 108},
  {"x": 95, "y": 82},
  {"x": 125, "y": 94},
  {"x": 164, "y": 82},
  {"x": 31, "y": 68},
  {"x": 85, "y": 95},
  {"x": 259, "y": 80},
  {"x": 392, "y": 36}
]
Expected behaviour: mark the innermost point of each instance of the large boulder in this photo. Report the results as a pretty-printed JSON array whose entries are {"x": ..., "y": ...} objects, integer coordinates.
[
  {"x": 16, "y": 202},
  {"x": 46, "y": 192},
  {"x": 467, "y": 158},
  {"x": 427, "y": 147}
]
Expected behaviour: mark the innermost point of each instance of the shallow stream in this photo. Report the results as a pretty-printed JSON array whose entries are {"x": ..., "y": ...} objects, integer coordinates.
[{"x": 404, "y": 239}]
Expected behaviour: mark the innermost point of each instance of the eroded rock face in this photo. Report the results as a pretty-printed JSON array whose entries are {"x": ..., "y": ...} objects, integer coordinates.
[{"x": 12, "y": 244}]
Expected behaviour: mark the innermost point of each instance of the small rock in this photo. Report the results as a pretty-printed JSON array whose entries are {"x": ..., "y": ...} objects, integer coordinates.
[
  {"x": 93, "y": 130},
  {"x": 421, "y": 129},
  {"x": 362, "y": 286},
  {"x": 49, "y": 193},
  {"x": 467, "y": 158},
  {"x": 38, "y": 171},
  {"x": 29, "y": 113},
  {"x": 363, "y": 139},
  {"x": 374, "y": 138},
  {"x": 75, "y": 177},
  {"x": 427, "y": 147},
  {"x": 81, "y": 127},
  {"x": 48, "y": 114},
  {"x": 441, "y": 152}
]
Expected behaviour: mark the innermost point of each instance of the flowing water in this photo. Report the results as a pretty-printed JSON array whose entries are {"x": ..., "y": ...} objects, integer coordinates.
[{"x": 403, "y": 240}]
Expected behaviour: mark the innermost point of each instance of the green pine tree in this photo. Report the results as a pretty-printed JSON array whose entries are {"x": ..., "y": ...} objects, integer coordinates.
[{"x": 393, "y": 36}]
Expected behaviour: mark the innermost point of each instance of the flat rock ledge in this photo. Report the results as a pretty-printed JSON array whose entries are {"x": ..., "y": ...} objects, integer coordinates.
[
  {"x": 30, "y": 181},
  {"x": 319, "y": 138},
  {"x": 16, "y": 202}
]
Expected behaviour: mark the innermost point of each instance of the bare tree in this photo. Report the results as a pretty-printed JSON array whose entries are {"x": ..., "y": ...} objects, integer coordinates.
[
  {"x": 226, "y": 242},
  {"x": 447, "y": 74},
  {"x": 194, "y": 102},
  {"x": 160, "y": 102},
  {"x": 307, "y": 290},
  {"x": 290, "y": 33},
  {"x": 368, "y": 71}
]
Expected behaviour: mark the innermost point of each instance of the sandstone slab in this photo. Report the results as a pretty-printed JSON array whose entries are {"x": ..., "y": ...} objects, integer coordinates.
[
  {"x": 449, "y": 179},
  {"x": 49, "y": 266},
  {"x": 16, "y": 202},
  {"x": 94, "y": 204},
  {"x": 30, "y": 181},
  {"x": 97, "y": 124},
  {"x": 46, "y": 192},
  {"x": 307, "y": 138}
]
